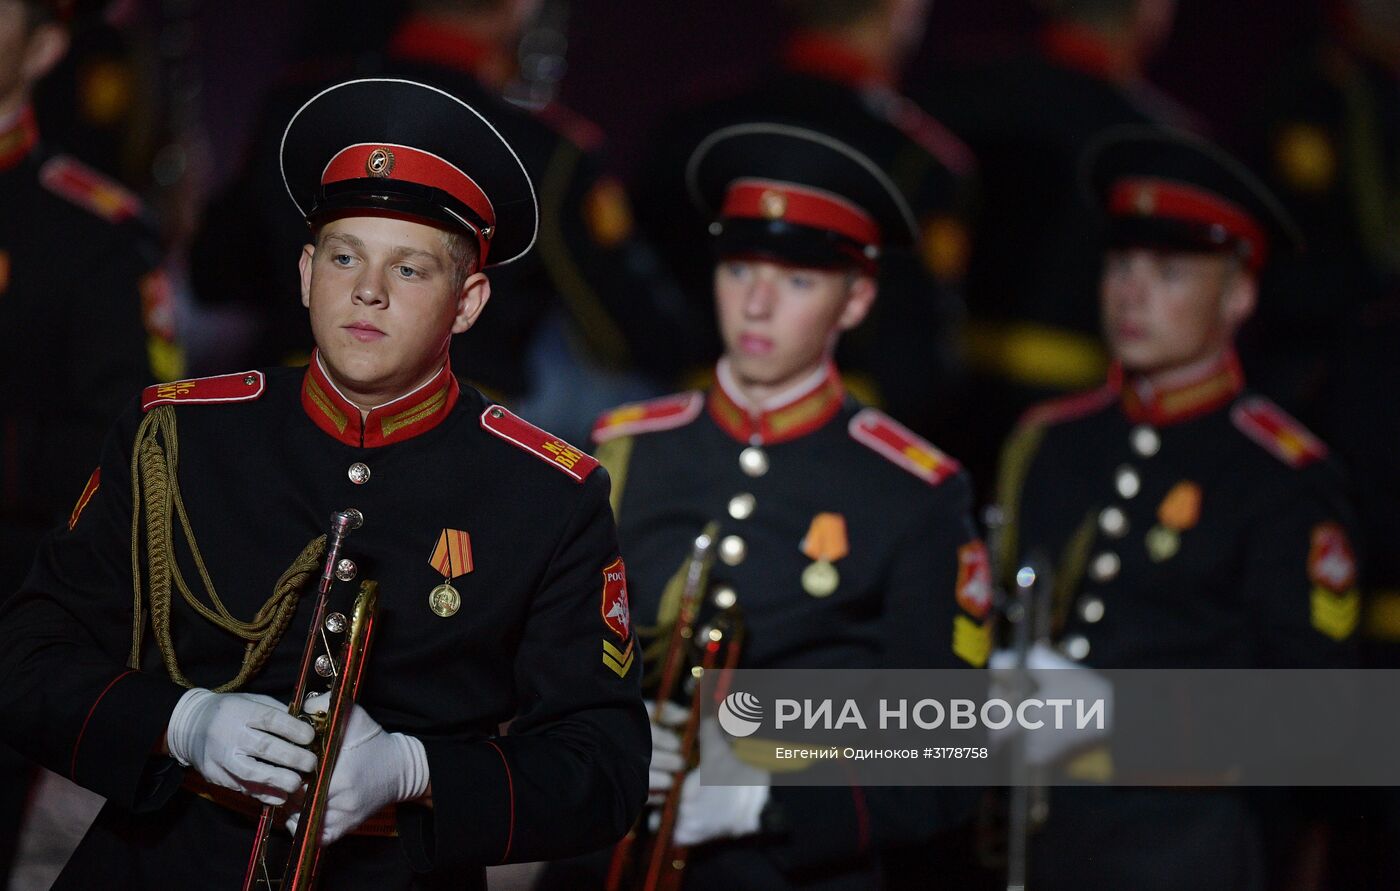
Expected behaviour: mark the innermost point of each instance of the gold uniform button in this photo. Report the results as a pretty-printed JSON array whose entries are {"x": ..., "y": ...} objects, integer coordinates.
[
  {"x": 1145, "y": 441},
  {"x": 358, "y": 473},
  {"x": 1091, "y": 609},
  {"x": 725, "y": 597},
  {"x": 732, "y": 550},
  {"x": 1127, "y": 481},
  {"x": 1113, "y": 522},
  {"x": 1076, "y": 647},
  {"x": 753, "y": 461},
  {"x": 741, "y": 506},
  {"x": 1104, "y": 567}
]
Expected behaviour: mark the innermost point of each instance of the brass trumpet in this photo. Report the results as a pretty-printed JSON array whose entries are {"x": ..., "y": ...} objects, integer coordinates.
[
  {"x": 690, "y": 653},
  {"x": 345, "y": 669}
]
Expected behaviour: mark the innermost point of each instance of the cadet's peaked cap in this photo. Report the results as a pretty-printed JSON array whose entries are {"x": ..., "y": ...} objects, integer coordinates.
[
  {"x": 798, "y": 195},
  {"x": 401, "y": 148},
  {"x": 1164, "y": 188}
]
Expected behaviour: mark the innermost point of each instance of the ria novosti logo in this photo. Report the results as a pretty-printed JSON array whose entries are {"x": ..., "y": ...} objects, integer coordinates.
[{"x": 740, "y": 714}]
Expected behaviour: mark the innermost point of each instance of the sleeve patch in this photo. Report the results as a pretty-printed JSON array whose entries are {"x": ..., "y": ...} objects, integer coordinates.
[
  {"x": 975, "y": 579},
  {"x": 244, "y": 386},
  {"x": 1331, "y": 560},
  {"x": 665, "y": 413},
  {"x": 89, "y": 490},
  {"x": 902, "y": 446},
  {"x": 503, "y": 424},
  {"x": 90, "y": 190},
  {"x": 1279, "y": 434},
  {"x": 617, "y": 615}
]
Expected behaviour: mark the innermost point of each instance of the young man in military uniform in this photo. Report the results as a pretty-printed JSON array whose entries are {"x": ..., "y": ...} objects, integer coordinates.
[
  {"x": 837, "y": 71},
  {"x": 491, "y": 540},
  {"x": 87, "y": 310},
  {"x": 588, "y": 267},
  {"x": 1191, "y": 523},
  {"x": 844, "y": 539}
]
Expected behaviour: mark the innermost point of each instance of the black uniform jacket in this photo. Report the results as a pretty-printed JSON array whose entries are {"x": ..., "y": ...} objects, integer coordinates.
[
  {"x": 76, "y": 265},
  {"x": 263, "y": 460},
  {"x": 1192, "y": 527},
  {"x": 910, "y": 589},
  {"x": 1198, "y": 527}
]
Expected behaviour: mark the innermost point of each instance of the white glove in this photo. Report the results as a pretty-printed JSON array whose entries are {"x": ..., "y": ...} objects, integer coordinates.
[
  {"x": 710, "y": 812},
  {"x": 241, "y": 741},
  {"x": 374, "y": 769},
  {"x": 666, "y": 759},
  {"x": 1053, "y": 677}
]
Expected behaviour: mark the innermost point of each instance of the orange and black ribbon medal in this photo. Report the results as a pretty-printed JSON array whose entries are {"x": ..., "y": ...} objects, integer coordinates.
[
  {"x": 452, "y": 557},
  {"x": 825, "y": 543}
]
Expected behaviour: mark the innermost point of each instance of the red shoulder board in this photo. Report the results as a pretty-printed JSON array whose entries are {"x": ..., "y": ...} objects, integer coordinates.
[
  {"x": 572, "y": 126},
  {"x": 85, "y": 187},
  {"x": 1067, "y": 408},
  {"x": 648, "y": 417},
  {"x": 925, "y": 131},
  {"x": 902, "y": 446},
  {"x": 1279, "y": 434},
  {"x": 546, "y": 446},
  {"x": 244, "y": 386}
]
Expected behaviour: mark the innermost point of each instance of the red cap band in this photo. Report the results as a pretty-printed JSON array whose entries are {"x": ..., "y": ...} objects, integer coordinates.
[
  {"x": 400, "y": 162},
  {"x": 1174, "y": 201},
  {"x": 771, "y": 200}
]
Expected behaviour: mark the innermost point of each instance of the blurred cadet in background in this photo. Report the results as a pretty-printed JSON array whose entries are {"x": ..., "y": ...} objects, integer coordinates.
[
  {"x": 1330, "y": 143},
  {"x": 836, "y": 73},
  {"x": 622, "y": 311},
  {"x": 1190, "y": 522},
  {"x": 1033, "y": 327},
  {"x": 844, "y": 539},
  {"x": 86, "y": 309}
]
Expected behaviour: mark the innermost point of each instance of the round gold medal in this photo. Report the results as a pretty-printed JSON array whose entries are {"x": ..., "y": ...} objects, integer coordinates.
[
  {"x": 444, "y": 600},
  {"x": 820, "y": 579}
]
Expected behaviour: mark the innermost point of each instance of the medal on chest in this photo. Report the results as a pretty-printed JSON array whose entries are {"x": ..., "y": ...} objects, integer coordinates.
[
  {"x": 824, "y": 543},
  {"x": 452, "y": 557}
]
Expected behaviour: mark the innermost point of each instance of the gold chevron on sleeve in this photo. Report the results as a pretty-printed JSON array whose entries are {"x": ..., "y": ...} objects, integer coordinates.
[{"x": 618, "y": 660}]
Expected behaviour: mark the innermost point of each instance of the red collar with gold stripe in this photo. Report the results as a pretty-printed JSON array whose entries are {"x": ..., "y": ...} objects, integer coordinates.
[
  {"x": 18, "y": 138},
  {"x": 790, "y": 415},
  {"x": 1213, "y": 387},
  {"x": 410, "y": 415}
]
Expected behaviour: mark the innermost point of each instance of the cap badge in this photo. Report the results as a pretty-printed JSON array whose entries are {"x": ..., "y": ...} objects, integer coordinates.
[
  {"x": 772, "y": 204},
  {"x": 380, "y": 163},
  {"x": 1145, "y": 201}
]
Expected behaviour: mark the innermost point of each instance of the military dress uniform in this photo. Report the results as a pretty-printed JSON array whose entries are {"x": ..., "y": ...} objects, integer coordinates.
[
  {"x": 89, "y": 314},
  {"x": 82, "y": 291},
  {"x": 904, "y": 357},
  {"x": 1194, "y": 525},
  {"x": 844, "y": 540},
  {"x": 491, "y": 541}
]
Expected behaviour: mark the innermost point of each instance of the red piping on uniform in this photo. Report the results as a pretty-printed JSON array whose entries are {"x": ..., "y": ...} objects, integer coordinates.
[
  {"x": 762, "y": 199},
  {"x": 510, "y": 787},
  {"x": 73, "y": 765},
  {"x": 1147, "y": 197}
]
